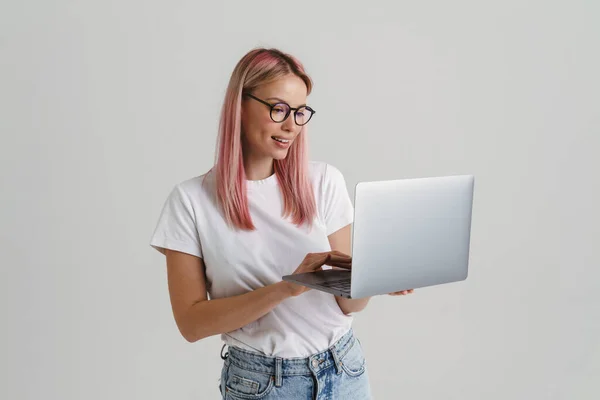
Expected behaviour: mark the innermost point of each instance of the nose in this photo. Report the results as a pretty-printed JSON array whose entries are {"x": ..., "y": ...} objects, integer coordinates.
[{"x": 289, "y": 125}]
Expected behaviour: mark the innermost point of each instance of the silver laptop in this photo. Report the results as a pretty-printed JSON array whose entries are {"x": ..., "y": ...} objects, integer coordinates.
[{"x": 407, "y": 234}]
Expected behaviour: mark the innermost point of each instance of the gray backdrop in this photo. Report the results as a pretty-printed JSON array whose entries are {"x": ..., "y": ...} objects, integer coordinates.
[{"x": 105, "y": 105}]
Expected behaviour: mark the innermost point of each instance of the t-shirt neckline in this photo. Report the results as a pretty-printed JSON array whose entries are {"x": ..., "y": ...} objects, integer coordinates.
[{"x": 270, "y": 180}]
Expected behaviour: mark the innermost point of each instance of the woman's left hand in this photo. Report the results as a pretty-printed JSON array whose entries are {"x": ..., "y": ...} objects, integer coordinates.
[{"x": 402, "y": 292}]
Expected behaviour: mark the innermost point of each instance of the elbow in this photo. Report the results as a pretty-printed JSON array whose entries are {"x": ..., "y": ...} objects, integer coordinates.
[
  {"x": 350, "y": 307},
  {"x": 190, "y": 332},
  {"x": 360, "y": 308},
  {"x": 191, "y": 336},
  {"x": 193, "y": 333},
  {"x": 191, "y": 339},
  {"x": 189, "y": 328},
  {"x": 348, "y": 310},
  {"x": 351, "y": 311}
]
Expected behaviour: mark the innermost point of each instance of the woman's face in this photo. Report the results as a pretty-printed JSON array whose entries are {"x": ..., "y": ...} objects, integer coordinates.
[{"x": 262, "y": 137}]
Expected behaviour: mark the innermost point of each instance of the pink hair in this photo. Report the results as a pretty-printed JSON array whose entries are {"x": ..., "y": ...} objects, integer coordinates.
[{"x": 258, "y": 67}]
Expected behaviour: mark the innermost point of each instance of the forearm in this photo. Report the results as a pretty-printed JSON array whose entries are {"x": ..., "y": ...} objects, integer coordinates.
[
  {"x": 212, "y": 317},
  {"x": 352, "y": 305}
]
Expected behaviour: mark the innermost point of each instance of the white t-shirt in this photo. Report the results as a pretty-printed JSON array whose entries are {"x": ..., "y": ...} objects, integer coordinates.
[{"x": 239, "y": 261}]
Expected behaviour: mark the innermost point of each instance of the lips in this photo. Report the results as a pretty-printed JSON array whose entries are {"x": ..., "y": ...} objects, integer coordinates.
[{"x": 280, "y": 139}]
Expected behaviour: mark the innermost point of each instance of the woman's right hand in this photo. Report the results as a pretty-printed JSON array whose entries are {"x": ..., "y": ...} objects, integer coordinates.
[{"x": 314, "y": 261}]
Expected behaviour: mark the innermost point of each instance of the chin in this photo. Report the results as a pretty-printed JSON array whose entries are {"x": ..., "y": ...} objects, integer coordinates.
[{"x": 280, "y": 155}]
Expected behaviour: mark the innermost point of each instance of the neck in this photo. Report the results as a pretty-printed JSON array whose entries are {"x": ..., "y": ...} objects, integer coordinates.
[{"x": 258, "y": 169}]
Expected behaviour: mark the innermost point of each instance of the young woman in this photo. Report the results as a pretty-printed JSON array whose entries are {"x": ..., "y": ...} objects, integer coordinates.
[{"x": 264, "y": 211}]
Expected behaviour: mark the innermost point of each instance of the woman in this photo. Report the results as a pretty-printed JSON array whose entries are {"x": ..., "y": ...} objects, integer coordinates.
[{"x": 262, "y": 212}]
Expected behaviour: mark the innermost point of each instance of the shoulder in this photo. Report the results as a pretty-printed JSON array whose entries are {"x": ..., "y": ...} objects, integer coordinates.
[
  {"x": 325, "y": 174},
  {"x": 193, "y": 191},
  {"x": 194, "y": 184}
]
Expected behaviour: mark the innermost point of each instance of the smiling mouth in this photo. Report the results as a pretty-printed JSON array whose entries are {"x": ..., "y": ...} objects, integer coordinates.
[{"x": 280, "y": 140}]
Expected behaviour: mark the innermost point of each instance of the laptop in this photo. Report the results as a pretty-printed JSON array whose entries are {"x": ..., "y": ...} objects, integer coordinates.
[{"x": 407, "y": 234}]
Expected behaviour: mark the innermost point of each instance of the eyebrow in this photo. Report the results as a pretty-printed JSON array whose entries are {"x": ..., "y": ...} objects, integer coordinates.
[{"x": 283, "y": 101}]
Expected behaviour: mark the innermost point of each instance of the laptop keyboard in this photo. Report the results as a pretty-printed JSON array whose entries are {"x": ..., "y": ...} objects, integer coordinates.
[{"x": 342, "y": 285}]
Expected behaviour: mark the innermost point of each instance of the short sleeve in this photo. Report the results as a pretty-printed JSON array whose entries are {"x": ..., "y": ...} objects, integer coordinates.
[
  {"x": 338, "y": 209},
  {"x": 176, "y": 227}
]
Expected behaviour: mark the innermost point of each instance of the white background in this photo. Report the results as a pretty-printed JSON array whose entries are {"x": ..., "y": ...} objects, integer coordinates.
[{"x": 105, "y": 105}]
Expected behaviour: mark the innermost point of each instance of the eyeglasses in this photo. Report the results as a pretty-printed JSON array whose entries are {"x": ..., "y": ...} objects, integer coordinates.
[{"x": 280, "y": 111}]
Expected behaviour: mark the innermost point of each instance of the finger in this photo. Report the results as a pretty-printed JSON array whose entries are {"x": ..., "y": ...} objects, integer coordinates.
[
  {"x": 340, "y": 259},
  {"x": 332, "y": 253},
  {"x": 336, "y": 258},
  {"x": 340, "y": 254},
  {"x": 319, "y": 262},
  {"x": 343, "y": 265},
  {"x": 329, "y": 258}
]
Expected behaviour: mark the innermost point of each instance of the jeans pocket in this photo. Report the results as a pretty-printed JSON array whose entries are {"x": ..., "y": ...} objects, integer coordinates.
[
  {"x": 244, "y": 384},
  {"x": 353, "y": 362}
]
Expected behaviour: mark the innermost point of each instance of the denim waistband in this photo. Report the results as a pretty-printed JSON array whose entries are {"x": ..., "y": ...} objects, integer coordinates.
[{"x": 279, "y": 367}]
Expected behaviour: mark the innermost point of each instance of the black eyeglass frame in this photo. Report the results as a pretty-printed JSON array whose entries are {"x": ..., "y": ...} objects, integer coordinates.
[{"x": 290, "y": 109}]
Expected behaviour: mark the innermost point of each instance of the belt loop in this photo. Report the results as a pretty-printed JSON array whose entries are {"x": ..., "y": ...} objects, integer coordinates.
[
  {"x": 278, "y": 371},
  {"x": 336, "y": 360},
  {"x": 224, "y": 357}
]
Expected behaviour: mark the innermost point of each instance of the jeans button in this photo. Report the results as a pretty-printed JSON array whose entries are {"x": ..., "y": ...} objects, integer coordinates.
[{"x": 315, "y": 363}]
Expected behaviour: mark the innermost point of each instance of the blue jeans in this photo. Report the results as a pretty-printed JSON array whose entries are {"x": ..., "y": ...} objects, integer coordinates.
[{"x": 338, "y": 373}]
